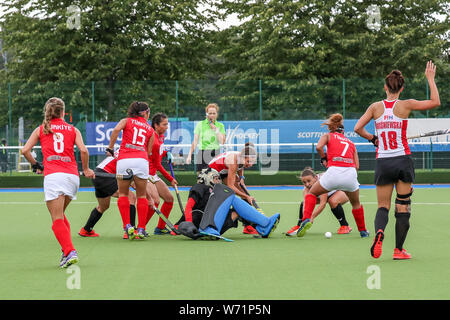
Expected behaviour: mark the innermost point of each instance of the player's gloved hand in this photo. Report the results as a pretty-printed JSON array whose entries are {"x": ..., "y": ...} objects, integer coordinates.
[
  {"x": 374, "y": 140},
  {"x": 169, "y": 156},
  {"x": 189, "y": 230},
  {"x": 37, "y": 166}
]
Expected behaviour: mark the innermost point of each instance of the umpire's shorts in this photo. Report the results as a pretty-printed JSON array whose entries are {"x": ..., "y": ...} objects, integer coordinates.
[
  {"x": 104, "y": 187},
  {"x": 391, "y": 170}
]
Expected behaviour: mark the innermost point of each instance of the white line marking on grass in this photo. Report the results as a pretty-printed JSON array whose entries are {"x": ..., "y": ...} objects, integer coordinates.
[
  {"x": 266, "y": 202},
  {"x": 414, "y": 203}
]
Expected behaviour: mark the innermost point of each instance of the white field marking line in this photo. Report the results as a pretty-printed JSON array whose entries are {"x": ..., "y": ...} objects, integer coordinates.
[
  {"x": 266, "y": 202},
  {"x": 413, "y": 203}
]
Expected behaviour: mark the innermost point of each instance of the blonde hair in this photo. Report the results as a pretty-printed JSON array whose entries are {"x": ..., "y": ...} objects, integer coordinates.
[
  {"x": 212, "y": 105},
  {"x": 53, "y": 109},
  {"x": 334, "y": 122}
]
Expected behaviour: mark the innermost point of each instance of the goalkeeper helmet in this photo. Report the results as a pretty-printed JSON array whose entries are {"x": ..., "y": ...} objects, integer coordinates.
[{"x": 207, "y": 176}]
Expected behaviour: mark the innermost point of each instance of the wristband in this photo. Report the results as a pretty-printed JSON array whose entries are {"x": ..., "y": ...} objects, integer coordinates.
[
  {"x": 37, "y": 166},
  {"x": 323, "y": 159},
  {"x": 374, "y": 140},
  {"x": 110, "y": 151}
]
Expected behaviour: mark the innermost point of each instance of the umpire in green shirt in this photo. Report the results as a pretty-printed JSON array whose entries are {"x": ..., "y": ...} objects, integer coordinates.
[{"x": 209, "y": 134}]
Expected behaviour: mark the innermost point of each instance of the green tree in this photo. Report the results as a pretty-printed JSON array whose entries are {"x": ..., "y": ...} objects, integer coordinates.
[
  {"x": 101, "y": 40},
  {"x": 311, "y": 41}
]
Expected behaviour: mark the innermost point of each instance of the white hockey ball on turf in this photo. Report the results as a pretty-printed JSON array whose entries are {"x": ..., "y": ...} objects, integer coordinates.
[{"x": 328, "y": 234}]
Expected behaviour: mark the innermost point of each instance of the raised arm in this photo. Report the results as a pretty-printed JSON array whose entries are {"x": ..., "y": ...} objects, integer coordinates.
[{"x": 434, "y": 101}]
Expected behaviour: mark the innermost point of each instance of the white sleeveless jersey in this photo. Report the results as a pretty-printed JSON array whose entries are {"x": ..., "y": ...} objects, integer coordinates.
[
  {"x": 391, "y": 132},
  {"x": 218, "y": 162}
]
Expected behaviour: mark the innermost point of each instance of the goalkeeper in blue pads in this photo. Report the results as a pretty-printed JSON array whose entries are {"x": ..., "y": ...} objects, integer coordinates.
[{"x": 213, "y": 208}]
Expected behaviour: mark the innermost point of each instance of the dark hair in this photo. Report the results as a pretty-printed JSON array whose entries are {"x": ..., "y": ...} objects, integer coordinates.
[
  {"x": 394, "y": 81},
  {"x": 157, "y": 118},
  {"x": 249, "y": 150},
  {"x": 136, "y": 108},
  {"x": 334, "y": 123}
]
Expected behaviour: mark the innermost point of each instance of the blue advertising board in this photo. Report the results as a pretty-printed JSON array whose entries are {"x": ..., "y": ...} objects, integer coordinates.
[{"x": 272, "y": 136}]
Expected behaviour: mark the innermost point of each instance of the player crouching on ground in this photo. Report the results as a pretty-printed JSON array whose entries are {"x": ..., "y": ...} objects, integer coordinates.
[{"x": 213, "y": 208}]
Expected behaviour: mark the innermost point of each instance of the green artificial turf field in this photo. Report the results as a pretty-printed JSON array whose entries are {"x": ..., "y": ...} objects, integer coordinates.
[{"x": 178, "y": 268}]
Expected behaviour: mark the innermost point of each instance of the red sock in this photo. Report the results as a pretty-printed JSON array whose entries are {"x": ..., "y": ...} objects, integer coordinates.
[
  {"x": 62, "y": 234},
  {"x": 66, "y": 222},
  {"x": 124, "y": 208},
  {"x": 165, "y": 209},
  {"x": 142, "y": 208},
  {"x": 309, "y": 205},
  {"x": 150, "y": 213},
  {"x": 358, "y": 214}
]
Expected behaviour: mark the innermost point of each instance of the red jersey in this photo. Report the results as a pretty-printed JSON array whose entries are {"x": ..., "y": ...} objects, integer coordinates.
[
  {"x": 158, "y": 153},
  {"x": 135, "y": 138},
  {"x": 109, "y": 165},
  {"x": 218, "y": 162},
  {"x": 57, "y": 148},
  {"x": 340, "y": 151}
]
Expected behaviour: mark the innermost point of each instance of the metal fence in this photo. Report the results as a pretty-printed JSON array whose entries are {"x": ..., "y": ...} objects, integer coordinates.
[{"x": 238, "y": 100}]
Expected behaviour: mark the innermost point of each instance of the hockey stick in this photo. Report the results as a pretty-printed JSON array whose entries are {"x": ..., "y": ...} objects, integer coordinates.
[
  {"x": 253, "y": 202},
  {"x": 166, "y": 220},
  {"x": 211, "y": 236},
  {"x": 127, "y": 176},
  {"x": 176, "y": 189},
  {"x": 430, "y": 134}
]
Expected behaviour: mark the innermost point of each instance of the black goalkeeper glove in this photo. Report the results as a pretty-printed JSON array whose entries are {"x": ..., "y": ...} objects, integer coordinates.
[
  {"x": 188, "y": 229},
  {"x": 374, "y": 140},
  {"x": 37, "y": 166}
]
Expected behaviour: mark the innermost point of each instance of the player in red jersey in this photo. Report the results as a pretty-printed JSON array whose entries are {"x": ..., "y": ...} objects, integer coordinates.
[
  {"x": 342, "y": 163},
  {"x": 105, "y": 188},
  {"x": 61, "y": 178},
  {"x": 135, "y": 150},
  {"x": 231, "y": 165},
  {"x": 394, "y": 165},
  {"x": 156, "y": 188},
  {"x": 335, "y": 199}
]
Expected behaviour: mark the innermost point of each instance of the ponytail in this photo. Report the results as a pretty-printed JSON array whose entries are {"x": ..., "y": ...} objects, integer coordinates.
[
  {"x": 53, "y": 109},
  {"x": 334, "y": 123}
]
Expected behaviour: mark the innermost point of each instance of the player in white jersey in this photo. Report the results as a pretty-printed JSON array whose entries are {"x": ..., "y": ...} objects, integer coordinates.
[
  {"x": 335, "y": 199},
  {"x": 394, "y": 165}
]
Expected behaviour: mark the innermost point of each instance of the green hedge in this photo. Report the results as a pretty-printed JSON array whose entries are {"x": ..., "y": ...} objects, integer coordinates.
[{"x": 252, "y": 178}]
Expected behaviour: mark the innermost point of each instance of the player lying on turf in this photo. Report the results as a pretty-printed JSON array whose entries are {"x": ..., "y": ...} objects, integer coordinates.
[
  {"x": 335, "y": 199},
  {"x": 213, "y": 208},
  {"x": 342, "y": 163},
  {"x": 105, "y": 188}
]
